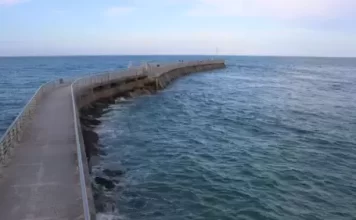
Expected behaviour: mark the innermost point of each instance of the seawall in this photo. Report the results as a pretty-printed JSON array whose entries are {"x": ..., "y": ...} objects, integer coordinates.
[
  {"x": 94, "y": 94},
  {"x": 55, "y": 109},
  {"x": 142, "y": 83},
  {"x": 96, "y": 98}
]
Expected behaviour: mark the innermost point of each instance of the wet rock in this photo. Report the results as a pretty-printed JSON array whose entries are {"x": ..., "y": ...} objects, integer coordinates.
[
  {"x": 135, "y": 93},
  {"x": 89, "y": 135},
  {"x": 97, "y": 109},
  {"x": 90, "y": 141},
  {"x": 113, "y": 173},
  {"x": 146, "y": 92},
  {"x": 151, "y": 89},
  {"x": 120, "y": 99},
  {"x": 108, "y": 184},
  {"x": 89, "y": 121}
]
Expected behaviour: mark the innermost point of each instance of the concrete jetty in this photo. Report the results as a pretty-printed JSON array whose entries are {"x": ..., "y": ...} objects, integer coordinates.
[{"x": 44, "y": 172}]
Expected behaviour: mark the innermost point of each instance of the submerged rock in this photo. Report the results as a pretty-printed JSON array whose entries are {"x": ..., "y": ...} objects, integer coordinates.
[
  {"x": 113, "y": 173},
  {"x": 108, "y": 184}
]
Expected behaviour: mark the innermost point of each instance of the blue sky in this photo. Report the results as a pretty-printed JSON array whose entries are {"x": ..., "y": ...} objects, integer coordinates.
[{"x": 236, "y": 27}]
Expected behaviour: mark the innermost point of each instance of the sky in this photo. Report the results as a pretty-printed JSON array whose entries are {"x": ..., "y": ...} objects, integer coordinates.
[{"x": 145, "y": 27}]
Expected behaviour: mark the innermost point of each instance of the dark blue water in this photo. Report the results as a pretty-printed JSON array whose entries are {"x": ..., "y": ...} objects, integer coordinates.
[{"x": 266, "y": 138}]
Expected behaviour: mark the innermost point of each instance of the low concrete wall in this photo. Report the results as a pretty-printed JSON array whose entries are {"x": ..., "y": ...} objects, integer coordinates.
[
  {"x": 132, "y": 86},
  {"x": 166, "y": 78}
]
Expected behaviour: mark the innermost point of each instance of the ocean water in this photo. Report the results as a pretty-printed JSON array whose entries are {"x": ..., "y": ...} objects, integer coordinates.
[{"x": 265, "y": 138}]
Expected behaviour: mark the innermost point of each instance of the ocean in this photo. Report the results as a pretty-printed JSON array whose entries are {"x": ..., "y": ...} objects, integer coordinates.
[{"x": 265, "y": 138}]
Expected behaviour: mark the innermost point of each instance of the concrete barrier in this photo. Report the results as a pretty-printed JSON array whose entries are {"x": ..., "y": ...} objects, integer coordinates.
[{"x": 135, "y": 81}]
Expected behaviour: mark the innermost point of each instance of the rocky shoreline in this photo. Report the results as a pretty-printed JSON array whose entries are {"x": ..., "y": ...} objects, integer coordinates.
[{"x": 90, "y": 118}]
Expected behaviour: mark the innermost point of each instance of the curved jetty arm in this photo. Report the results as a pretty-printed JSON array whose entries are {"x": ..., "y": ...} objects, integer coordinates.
[{"x": 48, "y": 174}]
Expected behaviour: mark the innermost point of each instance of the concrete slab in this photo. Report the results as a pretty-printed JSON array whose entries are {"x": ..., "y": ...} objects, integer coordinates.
[{"x": 41, "y": 181}]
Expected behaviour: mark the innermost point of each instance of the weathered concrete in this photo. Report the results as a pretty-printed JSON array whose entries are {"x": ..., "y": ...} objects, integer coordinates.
[
  {"x": 41, "y": 181},
  {"x": 163, "y": 79},
  {"x": 130, "y": 86}
]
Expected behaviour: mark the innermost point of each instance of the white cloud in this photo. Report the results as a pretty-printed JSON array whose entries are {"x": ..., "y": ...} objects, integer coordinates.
[
  {"x": 11, "y": 2},
  {"x": 274, "y": 8},
  {"x": 119, "y": 11}
]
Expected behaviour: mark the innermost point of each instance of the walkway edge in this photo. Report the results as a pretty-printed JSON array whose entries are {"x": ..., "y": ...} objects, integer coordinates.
[{"x": 85, "y": 184}]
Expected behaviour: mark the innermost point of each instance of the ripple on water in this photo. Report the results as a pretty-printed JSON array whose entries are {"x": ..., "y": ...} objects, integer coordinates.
[{"x": 271, "y": 140}]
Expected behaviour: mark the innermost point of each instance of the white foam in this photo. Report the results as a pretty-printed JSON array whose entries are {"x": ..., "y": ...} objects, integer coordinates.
[
  {"x": 121, "y": 99},
  {"x": 109, "y": 216}
]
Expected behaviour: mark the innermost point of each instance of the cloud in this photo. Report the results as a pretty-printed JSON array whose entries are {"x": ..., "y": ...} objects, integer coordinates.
[
  {"x": 285, "y": 9},
  {"x": 119, "y": 11},
  {"x": 11, "y": 2}
]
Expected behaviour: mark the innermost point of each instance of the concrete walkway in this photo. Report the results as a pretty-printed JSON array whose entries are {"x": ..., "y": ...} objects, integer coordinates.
[{"x": 42, "y": 181}]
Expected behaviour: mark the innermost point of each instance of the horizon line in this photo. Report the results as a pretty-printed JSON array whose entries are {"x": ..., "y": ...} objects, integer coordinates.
[{"x": 212, "y": 55}]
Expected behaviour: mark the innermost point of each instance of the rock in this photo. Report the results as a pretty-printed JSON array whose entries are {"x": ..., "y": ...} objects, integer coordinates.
[
  {"x": 108, "y": 184},
  {"x": 145, "y": 91},
  {"x": 113, "y": 173},
  {"x": 90, "y": 141},
  {"x": 88, "y": 120},
  {"x": 134, "y": 94},
  {"x": 150, "y": 89},
  {"x": 89, "y": 136},
  {"x": 120, "y": 99}
]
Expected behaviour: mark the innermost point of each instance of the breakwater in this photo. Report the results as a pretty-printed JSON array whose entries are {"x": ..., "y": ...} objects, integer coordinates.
[
  {"x": 44, "y": 137},
  {"x": 140, "y": 81},
  {"x": 267, "y": 137},
  {"x": 94, "y": 98},
  {"x": 97, "y": 97},
  {"x": 264, "y": 139}
]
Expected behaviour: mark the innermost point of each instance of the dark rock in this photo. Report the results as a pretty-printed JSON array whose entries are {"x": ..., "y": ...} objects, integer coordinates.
[
  {"x": 126, "y": 95},
  {"x": 151, "y": 89},
  {"x": 146, "y": 92},
  {"x": 135, "y": 93},
  {"x": 89, "y": 120},
  {"x": 108, "y": 184},
  {"x": 97, "y": 109},
  {"x": 113, "y": 173},
  {"x": 89, "y": 135},
  {"x": 90, "y": 141}
]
